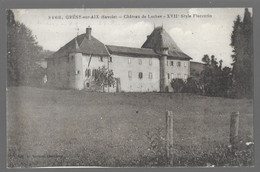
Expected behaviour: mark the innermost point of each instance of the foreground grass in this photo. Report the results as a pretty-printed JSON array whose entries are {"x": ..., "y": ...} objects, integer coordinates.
[{"x": 67, "y": 127}]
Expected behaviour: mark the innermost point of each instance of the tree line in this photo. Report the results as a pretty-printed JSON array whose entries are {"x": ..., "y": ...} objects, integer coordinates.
[
  {"x": 23, "y": 52},
  {"x": 216, "y": 80}
]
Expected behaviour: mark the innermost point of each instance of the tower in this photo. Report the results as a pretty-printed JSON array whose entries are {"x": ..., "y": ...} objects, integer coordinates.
[
  {"x": 163, "y": 44},
  {"x": 75, "y": 77},
  {"x": 163, "y": 51}
]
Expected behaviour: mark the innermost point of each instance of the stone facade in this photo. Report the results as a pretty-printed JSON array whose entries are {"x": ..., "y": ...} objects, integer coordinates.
[{"x": 135, "y": 69}]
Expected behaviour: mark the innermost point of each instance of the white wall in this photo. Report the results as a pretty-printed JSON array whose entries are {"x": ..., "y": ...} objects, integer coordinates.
[
  {"x": 183, "y": 70},
  {"x": 71, "y": 74},
  {"x": 121, "y": 67}
]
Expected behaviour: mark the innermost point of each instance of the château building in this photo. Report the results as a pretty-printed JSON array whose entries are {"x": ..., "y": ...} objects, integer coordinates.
[{"x": 146, "y": 69}]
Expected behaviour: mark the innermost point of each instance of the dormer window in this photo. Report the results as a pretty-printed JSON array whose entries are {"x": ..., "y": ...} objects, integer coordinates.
[{"x": 110, "y": 59}]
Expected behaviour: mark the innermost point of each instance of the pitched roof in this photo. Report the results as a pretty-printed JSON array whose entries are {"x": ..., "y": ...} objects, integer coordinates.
[
  {"x": 159, "y": 38},
  {"x": 130, "y": 51},
  {"x": 83, "y": 45}
]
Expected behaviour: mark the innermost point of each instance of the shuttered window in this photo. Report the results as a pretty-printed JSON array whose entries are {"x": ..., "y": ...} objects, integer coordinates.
[
  {"x": 129, "y": 60},
  {"x": 88, "y": 73},
  {"x": 150, "y": 75},
  {"x": 130, "y": 74},
  {"x": 140, "y": 75},
  {"x": 139, "y": 61}
]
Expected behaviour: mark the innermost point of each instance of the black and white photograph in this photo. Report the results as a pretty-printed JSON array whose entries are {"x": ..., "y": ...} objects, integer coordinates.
[{"x": 129, "y": 87}]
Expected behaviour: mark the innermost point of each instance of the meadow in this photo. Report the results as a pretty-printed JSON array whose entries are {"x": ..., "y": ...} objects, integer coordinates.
[{"x": 48, "y": 127}]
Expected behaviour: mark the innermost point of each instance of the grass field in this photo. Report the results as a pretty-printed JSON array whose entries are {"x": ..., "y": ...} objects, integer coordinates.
[{"x": 68, "y": 127}]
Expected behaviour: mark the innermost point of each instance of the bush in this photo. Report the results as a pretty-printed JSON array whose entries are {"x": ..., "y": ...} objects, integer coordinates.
[
  {"x": 192, "y": 86},
  {"x": 178, "y": 85}
]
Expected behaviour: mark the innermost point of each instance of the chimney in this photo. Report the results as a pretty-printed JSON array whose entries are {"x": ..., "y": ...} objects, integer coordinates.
[{"x": 88, "y": 33}]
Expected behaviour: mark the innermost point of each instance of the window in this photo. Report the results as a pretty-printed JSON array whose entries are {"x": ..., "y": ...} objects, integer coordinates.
[
  {"x": 167, "y": 62},
  {"x": 179, "y": 64},
  {"x": 130, "y": 74},
  {"x": 129, "y": 60},
  {"x": 179, "y": 75},
  {"x": 110, "y": 59},
  {"x": 171, "y": 63},
  {"x": 172, "y": 75},
  {"x": 150, "y": 61},
  {"x": 77, "y": 72},
  {"x": 168, "y": 76},
  {"x": 139, "y": 61},
  {"x": 87, "y": 84},
  {"x": 72, "y": 57},
  {"x": 150, "y": 75},
  {"x": 101, "y": 58},
  {"x": 93, "y": 72},
  {"x": 140, "y": 75},
  {"x": 87, "y": 72},
  {"x": 185, "y": 64}
]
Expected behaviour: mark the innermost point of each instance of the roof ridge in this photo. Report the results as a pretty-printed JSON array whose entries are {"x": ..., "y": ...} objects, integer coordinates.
[{"x": 130, "y": 47}]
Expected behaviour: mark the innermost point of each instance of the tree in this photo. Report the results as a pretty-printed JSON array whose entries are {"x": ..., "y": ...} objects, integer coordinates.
[
  {"x": 178, "y": 85},
  {"x": 242, "y": 43},
  {"x": 104, "y": 77},
  {"x": 192, "y": 86},
  {"x": 214, "y": 80},
  {"x": 22, "y": 52}
]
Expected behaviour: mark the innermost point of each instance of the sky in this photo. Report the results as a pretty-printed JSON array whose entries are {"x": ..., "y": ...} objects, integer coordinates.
[{"x": 197, "y": 31}]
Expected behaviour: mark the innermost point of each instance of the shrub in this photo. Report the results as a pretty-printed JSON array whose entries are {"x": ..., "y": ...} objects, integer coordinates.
[{"x": 178, "y": 85}]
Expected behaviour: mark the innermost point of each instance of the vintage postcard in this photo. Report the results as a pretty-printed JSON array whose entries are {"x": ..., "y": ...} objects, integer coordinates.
[{"x": 127, "y": 87}]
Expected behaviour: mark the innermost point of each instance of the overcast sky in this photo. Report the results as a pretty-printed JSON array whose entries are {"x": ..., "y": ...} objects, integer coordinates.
[{"x": 196, "y": 36}]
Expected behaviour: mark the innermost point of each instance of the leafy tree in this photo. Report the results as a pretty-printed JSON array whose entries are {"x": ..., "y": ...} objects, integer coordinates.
[
  {"x": 104, "y": 77},
  {"x": 178, "y": 85},
  {"x": 215, "y": 81},
  {"x": 22, "y": 52},
  {"x": 242, "y": 43},
  {"x": 192, "y": 86}
]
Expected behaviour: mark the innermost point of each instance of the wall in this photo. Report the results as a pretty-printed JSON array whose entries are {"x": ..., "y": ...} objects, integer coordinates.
[
  {"x": 183, "y": 70},
  {"x": 121, "y": 67},
  {"x": 57, "y": 69},
  {"x": 71, "y": 73}
]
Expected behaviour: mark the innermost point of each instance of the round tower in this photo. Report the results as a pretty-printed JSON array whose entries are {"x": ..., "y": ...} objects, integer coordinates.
[
  {"x": 79, "y": 84},
  {"x": 75, "y": 77},
  {"x": 163, "y": 72}
]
